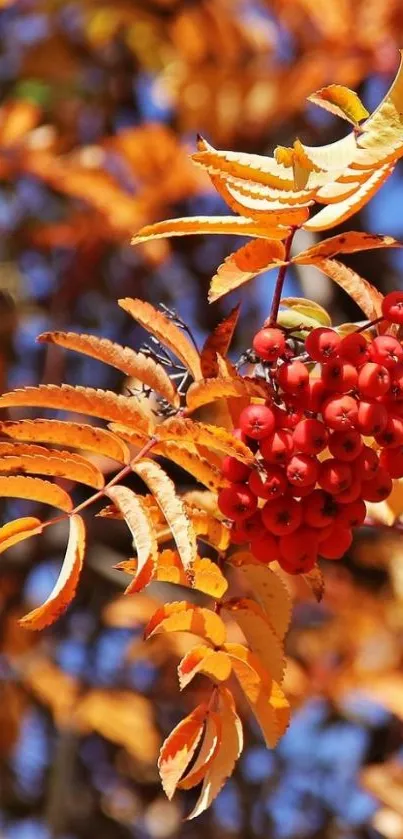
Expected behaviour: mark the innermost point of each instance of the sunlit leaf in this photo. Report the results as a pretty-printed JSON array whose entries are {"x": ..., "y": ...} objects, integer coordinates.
[
  {"x": 340, "y": 101},
  {"x": 365, "y": 295},
  {"x": 139, "y": 522},
  {"x": 240, "y": 267},
  {"x": 26, "y": 457},
  {"x": 18, "y": 530},
  {"x": 209, "y": 529},
  {"x": 35, "y": 489},
  {"x": 186, "y": 617},
  {"x": 218, "y": 341},
  {"x": 269, "y": 590},
  {"x": 207, "y": 390},
  {"x": 208, "y": 578},
  {"x": 212, "y": 737},
  {"x": 63, "y": 433},
  {"x": 333, "y": 157},
  {"x": 259, "y": 634},
  {"x": 204, "y": 661},
  {"x": 226, "y": 225},
  {"x": 384, "y": 128},
  {"x": 205, "y": 435},
  {"x": 348, "y": 242},
  {"x": 179, "y": 747},
  {"x": 336, "y": 213},
  {"x": 306, "y": 309}
]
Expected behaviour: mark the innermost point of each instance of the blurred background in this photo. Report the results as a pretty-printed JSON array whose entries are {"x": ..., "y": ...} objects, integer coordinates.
[{"x": 101, "y": 101}]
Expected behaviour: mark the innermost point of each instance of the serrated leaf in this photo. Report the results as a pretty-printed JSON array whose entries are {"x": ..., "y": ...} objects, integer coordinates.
[
  {"x": 207, "y": 390},
  {"x": 245, "y": 264},
  {"x": 204, "y": 661},
  {"x": 83, "y": 400},
  {"x": 211, "y": 740},
  {"x": 254, "y": 167},
  {"x": 182, "y": 616},
  {"x": 334, "y": 214},
  {"x": 66, "y": 584},
  {"x": 272, "y": 210},
  {"x": 365, "y": 295},
  {"x": 264, "y": 695},
  {"x": 333, "y": 157},
  {"x": 308, "y": 309},
  {"x": 205, "y": 435},
  {"x": 219, "y": 342},
  {"x": 179, "y": 747},
  {"x": 340, "y": 101},
  {"x": 209, "y": 529},
  {"x": 208, "y": 578},
  {"x": 35, "y": 489},
  {"x": 225, "y": 225},
  {"x": 63, "y": 433},
  {"x": 165, "y": 331},
  {"x": 316, "y": 582},
  {"x": 335, "y": 192},
  {"x": 141, "y": 527},
  {"x": 129, "y": 362},
  {"x": 173, "y": 508},
  {"x": 259, "y": 634},
  {"x": 283, "y": 197},
  {"x": 227, "y": 753},
  {"x": 203, "y": 471},
  {"x": 26, "y": 457},
  {"x": 384, "y": 128},
  {"x": 348, "y": 242},
  {"x": 269, "y": 590},
  {"x": 18, "y": 530}
]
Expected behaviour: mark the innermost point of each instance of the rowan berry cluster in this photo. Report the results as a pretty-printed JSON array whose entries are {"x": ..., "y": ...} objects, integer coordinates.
[{"x": 330, "y": 439}]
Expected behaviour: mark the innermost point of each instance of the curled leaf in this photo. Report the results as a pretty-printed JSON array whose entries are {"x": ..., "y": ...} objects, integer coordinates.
[
  {"x": 211, "y": 741},
  {"x": 219, "y": 342},
  {"x": 227, "y": 225},
  {"x": 63, "y": 433},
  {"x": 207, "y": 390},
  {"x": 18, "y": 530},
  {"x": 334, "y": 214},
  {"x": 205, "y": 435},
  {"x": 259, "y": 633},
  {"x": 249, "y": 261},
  {"x": 35, "y": 489},
  {"x": 340, "y": 101},
  {"x": 206, "y": 662},
  {"x": 186, "y": 617},
  {"x": 179, "y": 747},
  {"x": 141, "y": 527}
]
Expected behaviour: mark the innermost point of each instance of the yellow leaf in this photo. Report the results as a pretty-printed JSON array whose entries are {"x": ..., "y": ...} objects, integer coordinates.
[
  {"x": 35, "y": 489},
  {"x": 202, "y": 660},
  {"x": 182, "y": 616},
  {"x": 178, "y": 749},
  {"x": 274, "y": 211},
  {"x": 212, "y": 737},
  {"x": 66, "y": 584},
  {"x": 208, "y": 578},
  {"x": 266, "y": 193},
  {"x": 163, "y": 490},
  {"x": 307, "y": 308},
  {"x": 139, "y": 522},
  {"x": 131, "y": 363},
  {"x": 264, "y": 696},
  {"x": 227, "y": 225},
  {"x": 333, "y": 157},
  {"x": 253, "y": 167},
  {"x": 210, "y": 530},
  {"x": 365, "y": 295},
  {"x": 348, "y": 242},
  {"x": 198, "y": 466},
  {"x": 207, "y": 390},
  {"x": 18, "y": 530},
  {"x": 340, "y": 101},
  {"x": 25, "y": 457},
  {"x": 335, "y": 192},
  {"x": 83, "y": 400},
  {"x": 218, "y": 342},
  {"x": 225, "y": 756},
  {"x": 165, "y": 331},
  {"x": 240, "y": 267},
  {"x": 259, "y": 634},
  {"x": 269, "y": 590},
  {"x": 205, "y": 435},
  {"x": 316, "y": 582},
  {"x": 74, "y": 434},
  {"x": 336, "y": 213},
  {"x": 384, "y": 128}
]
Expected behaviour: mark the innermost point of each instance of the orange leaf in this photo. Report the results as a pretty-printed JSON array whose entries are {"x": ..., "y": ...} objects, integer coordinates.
[
  {"x": 165, "y": 331},
  {"x": 218, "y": 341},
  {"x": 334, "y": 157},
  {"x": 335, "y": 192},
  {"x": 35, "y": 489},
  {"x": 212, "y": 737},
  {"x": 25, "y": 457},
  {"x": 229, "y": 748},
  {"x": 83, "y": 400},
  {"x": 182, "y": 616},
  {"x": 131, "y": 363},
  {"x": 336, "y": 213},
  {"x": 207, "y": 390},
  {"x": 210, "y": 530},
  {"x": 18, "y": 530},
  {"x": 173, "y": 508},
  {"x": 208, "y": 578},
  {"x": 273, "y": 211},
  {"x": 249, "y": 261},
  {"x": 269, "y": 590},
  {"x": 206, "y": 473},
  {"x": 205, "y": 435},
  {"x": 227, "y": 225},
  {"x": 365, "y": 295},
  {"x": 74, "y": 434},
  {"x": 316, "y": 582},
  {"x": 65, "y": 587},
  {"x": 340, "y": 101},
  {"x": 250, "y": 167},
  {"x": 170, "y": 568},
  {"x": 206, "y": 662},
  {"x": 18, "y": 118},
  {"x": 179, "y": 747},
  {"x": 259, "y": 634},
  {"x": 348, "y": 242},
  {"x": 139, "y": 522}
]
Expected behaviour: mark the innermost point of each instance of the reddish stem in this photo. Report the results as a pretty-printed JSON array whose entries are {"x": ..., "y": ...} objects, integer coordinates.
[
  {"x": 278, "y": 289},
  {"x": 369, "y": 324}
]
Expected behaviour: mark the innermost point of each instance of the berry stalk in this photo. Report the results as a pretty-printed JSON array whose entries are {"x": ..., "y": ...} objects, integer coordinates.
[{"x": 278, "y": 289}]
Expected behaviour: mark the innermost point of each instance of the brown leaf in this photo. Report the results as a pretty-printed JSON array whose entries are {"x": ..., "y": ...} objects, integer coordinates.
[
  {"x": 218, "y": 341},
  {"x": 316, "y": 582},
  {"x": 367, "y": 297}
]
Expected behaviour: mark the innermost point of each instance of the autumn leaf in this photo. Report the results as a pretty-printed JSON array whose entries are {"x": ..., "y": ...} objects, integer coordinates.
[
  {"x": 383, "y": 130},
  {"x": 18, "y": 530},
  {"x": 129, "y": 362},
  {"x": 334, "y": 157},
  {"x": 35, "y": 489},
  {"x": 208, "y": 578},
  {"x": 163, "y": 490},
  {"x": 66, "y": 584},
  {"x": 365, "y": 295},
  {"x": 207, "y": 390},
  {"x": 18, "y": 118},
  {"x": 141, "y": 527},
  {"x": 259, "y": 633},
  {"x": 307, "y": 310},
  {"x": 205, "y": 435},
  {"x": 165, "y": 331},
  {"x": 204, "y": 661},
  {"x": 225, "y": 225},
  {"x": 219, "y": 342},
  {"x": 199, "y": 467},
  {"x": 64, "y": 433},
  {"x": 340, "y": 101},
  {"x": 334, "y": 214},
  {"x": 273, "y": 211},
  {"x": 25, "y": 457},
  {"x": 316, "y": 582},
  {"x": 269, "y": 590},
  {"x": 335, "y": 192},
  {"x": 348, "y": 242},
  {"x": 209, "y": 529},
  {"x": 179, "y": 747},
  {"x": 212, "y": 738},
  {"x": 182, "y": 616}
]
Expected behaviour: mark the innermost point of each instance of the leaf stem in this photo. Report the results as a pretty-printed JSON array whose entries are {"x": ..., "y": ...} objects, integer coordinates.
[
  {"x": 369, "y": 324},
  {"x": 278, "y": 289}
]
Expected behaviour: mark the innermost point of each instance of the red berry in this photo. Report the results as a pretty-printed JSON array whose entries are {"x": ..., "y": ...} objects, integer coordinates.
[
  {"x": 238, "y": 535},
  {"x": 302, "y": 470},
  {"x": 290, "y": 414},
  {"x": 366, "y": 464},
  {"x": 277, "y": 448},
  {"x": 298, "y": 550},
  {"x": 310, "y": 436},
  {"x": 352, "y": 514},
  {"x": 354, "y": 348},
  {"x": 322, "y": 344},
  {"x": 239, "y": 435},
  {"x": 373, "y": 380},
  {"x": 392, "y": 307},
  {"x": 234, "y": 470},
  {"x": 315, "y": 394},
  {"x": 335, "y": 476},
  {"x": 237, "y": 502},
  {"x": 339, "y": 375},
  {"x": 293, "y": 376},
  {"x": 392, "y": 434},
  {"x": 340, "y": 412},
  {"x": 396, "y": 385},
  {"x": 269, "y": 344},
  {"x": 270, "y": 484},
  {"x": 392, "y": 461},
  {"x": 372, "y": 418},
  {"x": 337, "y": 543},
  {"x": 253, "y": 527},
  {"x": 352, "y": 492},
  {"x": 265, "y": 548},
  {"x": 345, "y": 445},
  {"x": 386, "y": 350},
  {"x": 282, "y": 516},
  {"x": 257, "y": 421},
  {"x": 319, "y": 509},
  {"x": 379, "y": 487}
]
